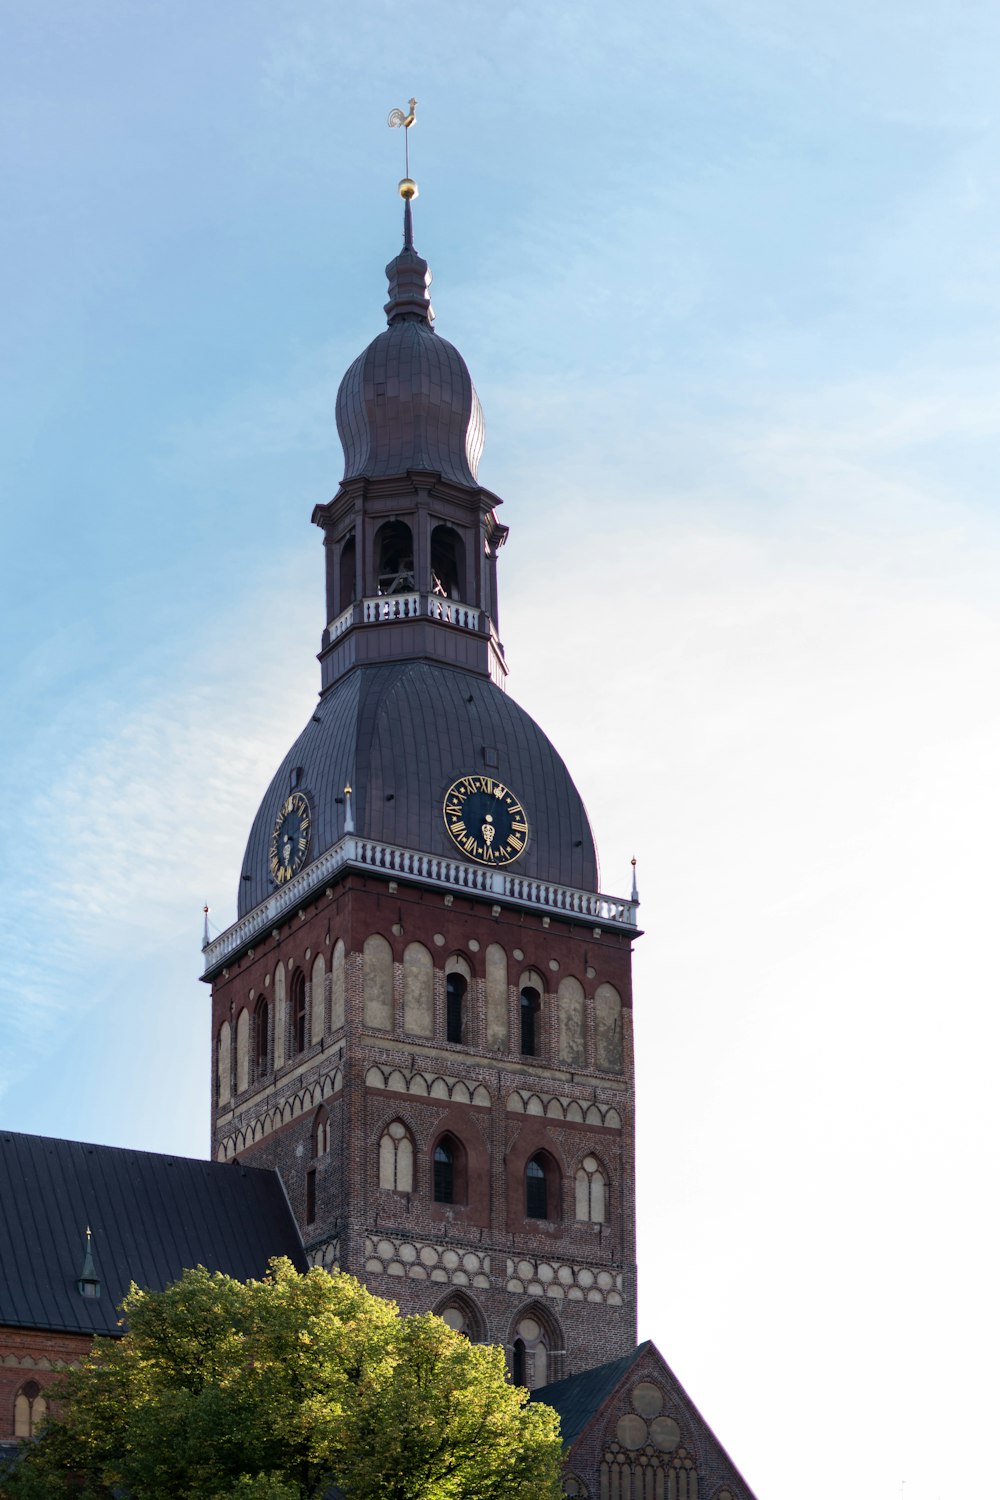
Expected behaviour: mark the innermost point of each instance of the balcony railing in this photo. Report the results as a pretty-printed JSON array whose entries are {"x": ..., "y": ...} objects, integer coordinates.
[
  {"x": 381, "y": 609},
  {"x": 423, "y": 869}
]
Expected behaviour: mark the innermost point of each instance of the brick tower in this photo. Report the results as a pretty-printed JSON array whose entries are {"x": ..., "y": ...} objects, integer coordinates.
[{"x": 422, "y": 1015}]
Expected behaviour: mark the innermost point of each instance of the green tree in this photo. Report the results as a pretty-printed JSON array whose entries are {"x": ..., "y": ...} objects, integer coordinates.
[{"x": 288, "y": 1388}]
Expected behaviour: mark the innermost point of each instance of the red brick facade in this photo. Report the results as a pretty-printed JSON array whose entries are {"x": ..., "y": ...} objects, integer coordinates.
[
  {"x": 32, "y": 1356},
  {"x": 482, "y": 1252}
]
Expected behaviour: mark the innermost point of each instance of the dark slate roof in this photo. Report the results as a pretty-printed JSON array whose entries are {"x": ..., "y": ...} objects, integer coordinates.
[
  {"x": 407, "y": 730},
  {"x": 578, "y": 1398},
  {"x": 408, "y": 401},
  {"x": 152, "y": 1217}
]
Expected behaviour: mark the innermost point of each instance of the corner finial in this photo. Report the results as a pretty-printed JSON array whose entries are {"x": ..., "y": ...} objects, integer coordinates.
[
  {"x": 348, "y": 810},
  {"x": 635, "y": 885},
  {"x": 205, "y": 940},
  {"x": 408, "y": 189}
]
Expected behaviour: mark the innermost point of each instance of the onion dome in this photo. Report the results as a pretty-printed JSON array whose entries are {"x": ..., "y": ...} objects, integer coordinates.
[{"x": 408, "y": 401}]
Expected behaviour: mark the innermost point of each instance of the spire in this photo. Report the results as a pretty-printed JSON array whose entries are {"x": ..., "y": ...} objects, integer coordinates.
[
  {"x": 409, "y": 276},
  {"x": 88, "y": 1284},
  {"x": 635, "y": 884}
]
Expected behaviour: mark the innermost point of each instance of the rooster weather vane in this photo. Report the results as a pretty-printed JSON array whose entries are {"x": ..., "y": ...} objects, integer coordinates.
[{"x": 405, "y": 118}]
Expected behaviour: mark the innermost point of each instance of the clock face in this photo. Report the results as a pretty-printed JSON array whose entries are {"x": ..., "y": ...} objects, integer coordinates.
[
  {"x": 485, "y": 820},
  {"x": 290, "y": 839}
]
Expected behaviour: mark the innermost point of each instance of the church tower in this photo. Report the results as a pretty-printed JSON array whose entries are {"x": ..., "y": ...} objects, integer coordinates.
[{"x": 422, "y": 1015}]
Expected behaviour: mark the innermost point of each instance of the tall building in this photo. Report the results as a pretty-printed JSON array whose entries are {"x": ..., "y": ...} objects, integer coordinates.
[{"x": 422, "y": 1016}]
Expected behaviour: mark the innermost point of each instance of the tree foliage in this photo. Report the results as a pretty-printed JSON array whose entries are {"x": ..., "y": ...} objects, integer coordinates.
[{"x": 290, "y": 1388}]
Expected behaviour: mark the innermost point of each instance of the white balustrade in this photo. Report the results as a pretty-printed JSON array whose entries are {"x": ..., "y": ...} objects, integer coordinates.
[
  {"x": 425, "y": 869},
  {"x": 379, "y": 609}
]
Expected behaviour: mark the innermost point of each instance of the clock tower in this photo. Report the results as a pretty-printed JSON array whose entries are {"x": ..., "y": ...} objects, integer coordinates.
[{"x": 422, "y": 1014}]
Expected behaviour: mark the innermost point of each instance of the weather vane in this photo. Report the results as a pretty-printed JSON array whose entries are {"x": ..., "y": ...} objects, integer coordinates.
[{"x": 405, "y": 118}]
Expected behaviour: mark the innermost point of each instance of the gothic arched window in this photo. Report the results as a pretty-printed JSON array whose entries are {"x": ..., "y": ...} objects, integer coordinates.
[
  {"x": 29, "y": 1410},
  {"x": 395, "y": 1159},
  {"x": 591, "y": 1192},
  {"x": 532, "y": 1351},
  {"x": 449, "y": 1171},
  {"x": 531, "y": 1002},
  {"x": 455, "y": 987},
  {"x": 261, "y": 1038},
  {"x": 321, "y": 1132},
  {"x": 541, "y": 1188},
  {"x": 297, "y": 1013}
]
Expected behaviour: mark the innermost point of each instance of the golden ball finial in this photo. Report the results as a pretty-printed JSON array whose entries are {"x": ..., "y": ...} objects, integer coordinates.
[{"x": 408, "y": 189}]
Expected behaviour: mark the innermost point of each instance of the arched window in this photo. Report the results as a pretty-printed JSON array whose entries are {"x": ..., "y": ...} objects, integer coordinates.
[
  {"x": 456, "y": 986},
  {"x": 541, "y": 1188},
  {"x": 591, "y": 1192},
  {"x": 447, "y": 562},
  {"x": 261, "y": 1038},
  {"x": 29, "y": 1410},
  {"x": 395, "y": 1159},
  {"x": 531, "y": 1002},
  {"x": 321, "y": 1133},
  {"x": 532, "y": 1351},
  {"x": 461, "y": 1314},
  {"x": 297, "y": 1014},
  {"x": 394, "y": 558},
  {"x": 449, "y": 1171},
  {"x": 347, "y": 573},
  {"x": 444, "y": 1173},
  {"x": 224, "y": 1068}
]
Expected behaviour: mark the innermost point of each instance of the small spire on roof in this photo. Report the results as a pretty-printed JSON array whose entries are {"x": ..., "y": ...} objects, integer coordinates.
[
  {"x": 88, "y": 1284},
  {"x": 205, "y": 937},
  {"x": 348, "y": 811},
  {"x": 635, "y": 887}
]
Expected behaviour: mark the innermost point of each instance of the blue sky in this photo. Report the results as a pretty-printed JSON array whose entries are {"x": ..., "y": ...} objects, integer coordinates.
[{"x": 726, "y": 276}]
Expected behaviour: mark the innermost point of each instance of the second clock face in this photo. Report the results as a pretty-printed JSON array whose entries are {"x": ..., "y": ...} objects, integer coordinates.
[
  {"x": 485, "y": 820},
  {"x": 290, "y": 839}
]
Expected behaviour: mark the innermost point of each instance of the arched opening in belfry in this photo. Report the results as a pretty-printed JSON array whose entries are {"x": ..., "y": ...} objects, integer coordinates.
[
  {"x": 531, "y": 1003},
  {"x": 455, "y": 988},
  {"x": 447, "y": 562},
  {"x": 348, "y": 573},
  {"x": 394, "y": 558}
]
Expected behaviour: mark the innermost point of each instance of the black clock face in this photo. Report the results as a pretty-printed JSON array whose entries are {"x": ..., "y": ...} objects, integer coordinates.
[
  {"x": 290, "y": 839},
  {"x": 485, "y": 820}
]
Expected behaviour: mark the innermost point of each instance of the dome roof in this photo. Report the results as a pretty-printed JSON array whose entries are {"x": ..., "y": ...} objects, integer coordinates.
[
  {"x": 408, "y": 401},
  {"x": 399, "y": 735}
]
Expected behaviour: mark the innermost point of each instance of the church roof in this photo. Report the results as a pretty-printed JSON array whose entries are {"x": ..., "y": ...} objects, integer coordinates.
[
  {"x": 400, "y": 734},
  {"x": 151, "y": 1218},
  {"x": 578, "y": 1398}
]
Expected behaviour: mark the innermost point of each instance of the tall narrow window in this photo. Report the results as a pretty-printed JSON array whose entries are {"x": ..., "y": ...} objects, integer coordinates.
[
  {"x": 519, "y": 1363},
  {"x": 395, "y": 1159},
  {"x": 444, "y": 1173},
  {"x": 531, "y": 1002},
  {"x": 297, "y": 1013},
  {"x": 29, "y": 1410},
  {"x": 321, "y": 1133},
  {"x": 394, "y": 553},
  {"x": 311, "y": 1196},
  {"x": 591, "y": 1192},
  {"x": 261, "y": 1038},
  {"x": 536, "y": 1196},
  {"x": 456, "y": 987}
]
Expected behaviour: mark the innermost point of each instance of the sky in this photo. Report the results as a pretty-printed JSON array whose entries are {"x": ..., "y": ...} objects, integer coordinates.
[{"x": 727, "y": 278}]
